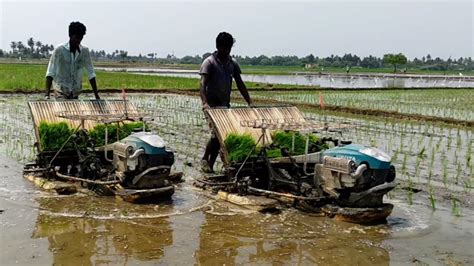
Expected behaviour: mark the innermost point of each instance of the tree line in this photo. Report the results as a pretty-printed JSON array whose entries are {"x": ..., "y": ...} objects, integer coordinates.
[{"x": 38, "y": 49}]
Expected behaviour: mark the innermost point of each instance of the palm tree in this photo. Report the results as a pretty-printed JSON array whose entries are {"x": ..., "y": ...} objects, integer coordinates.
[
  {"x": 31, "y": 43},
  {"x": 13, "y": 45},
  {"x": 39, "y": 45},
  {"x": 21, "y": 47}
]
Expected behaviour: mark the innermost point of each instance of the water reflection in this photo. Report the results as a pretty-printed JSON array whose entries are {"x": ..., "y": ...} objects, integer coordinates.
[
  {"x": 330, "y": 80},
  {"x": 90, "y": 241},
  {"x": 287, "y": 238},
  {"x": 111, "y": 232}
]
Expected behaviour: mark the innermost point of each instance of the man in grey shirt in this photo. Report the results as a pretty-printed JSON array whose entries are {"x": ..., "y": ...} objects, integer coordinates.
[{"x": 217, "y": 72}]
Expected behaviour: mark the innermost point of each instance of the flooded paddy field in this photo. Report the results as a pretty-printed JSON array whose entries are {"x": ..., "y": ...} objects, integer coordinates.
[
  {"x": 432, "y": 221},
  {"x": 327, "y": 80},
  {"x": 443, "y": 103}
]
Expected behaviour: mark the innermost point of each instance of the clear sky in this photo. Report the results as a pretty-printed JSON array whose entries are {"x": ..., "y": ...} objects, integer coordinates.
[{"x": 415, "y": 28}]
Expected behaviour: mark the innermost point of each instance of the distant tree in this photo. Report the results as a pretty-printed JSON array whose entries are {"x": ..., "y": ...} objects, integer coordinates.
[
  {"x": 428, "y": 58},
  {"x": 309, "y": 59},
  {"x": 123, "y": 54},
  {"x": 417, "y": 62},
  {"x": 13, "y": 45},
  {"x": 266, "y": 61},
  {"x": 1, "y": 53},
  {"x": 206, "y": 55},
  {"x": 31, "y": 43},
  {"x": 370, "y": 62},
  {"x": 395, "y": 59},
  {"x": 21, "y": 48},
  {"x": 37, "y": 51},
  {"x": 191, "y": 59}
]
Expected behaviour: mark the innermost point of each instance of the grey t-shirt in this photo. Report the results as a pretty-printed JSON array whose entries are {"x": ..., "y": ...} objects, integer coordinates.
[{"x": 220, "y": 79}]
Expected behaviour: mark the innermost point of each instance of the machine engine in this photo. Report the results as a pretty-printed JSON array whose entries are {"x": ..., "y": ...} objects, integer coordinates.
[
  {"x": 142, "y": 160},
  {"x": 355, "y": 175}
]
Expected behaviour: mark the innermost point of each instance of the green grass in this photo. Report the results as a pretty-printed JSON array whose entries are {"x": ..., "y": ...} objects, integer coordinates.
[
  {"x": 31, "y": 78},
  {"x": 23, "y": 77},
  {"x": 247, "y": 69}
]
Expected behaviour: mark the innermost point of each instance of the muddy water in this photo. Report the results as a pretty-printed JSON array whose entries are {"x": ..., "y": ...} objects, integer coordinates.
[{"x": 42, "y": 228}]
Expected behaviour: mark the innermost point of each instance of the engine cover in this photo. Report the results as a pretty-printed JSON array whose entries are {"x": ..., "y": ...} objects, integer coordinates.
[
  {"x": 335, "y": 173},
  {"x": 352, "y": 185},
  {"x": 141, "y": 160}
]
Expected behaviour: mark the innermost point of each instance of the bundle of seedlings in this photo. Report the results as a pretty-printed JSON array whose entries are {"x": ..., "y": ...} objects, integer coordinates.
[
  {"x": 239, "y": 146},
  {"x": 115, "y": 132},
  {"x": 54, "y": 135},
  {"x": 294, "y": 143}
]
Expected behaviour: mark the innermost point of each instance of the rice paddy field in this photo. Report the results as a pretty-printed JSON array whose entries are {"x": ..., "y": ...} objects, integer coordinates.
[
  {"x": 433, "y": 199},
  {"x": 442, "y": 103},
  {"x": 431, "y": 157}
]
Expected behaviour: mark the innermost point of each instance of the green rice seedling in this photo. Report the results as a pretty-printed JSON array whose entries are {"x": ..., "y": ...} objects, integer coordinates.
[
  {"x": 432, "y": 198},
  {"x": 395, "y": 155},
  {"x": 438, "y": 144},
  {"x": 458, "y": 139},
  {"x": 445, "y": 172},
  {"x": 373, "y": 142},
  {"x": 467, "y": 185},
  {"x": 469, "y": 154},
  {"x": 421, "y": 154},
  {"x": 410, "y": 192},
  {"x": 448, "y": 144},
  {"x": 417, "y": 167},
  {"x": 115, "y": 131},
  {"x": 54, "y": 135},
  {"x": 455, "y": 208},
  {"x": 296, "y": 142},
  {"x": 404, "y": 164},
  {"x": 458, "y": 173},
  {"x": 240, "y": 146}
]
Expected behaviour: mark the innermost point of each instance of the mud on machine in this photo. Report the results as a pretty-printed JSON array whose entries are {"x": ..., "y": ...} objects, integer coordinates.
[
  {"x": 136, "y": 166},
  {"x": 341, "y": 179}
]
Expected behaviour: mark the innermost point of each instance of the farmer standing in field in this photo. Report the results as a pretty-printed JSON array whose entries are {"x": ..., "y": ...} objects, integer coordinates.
[
  {"x": 217, "y": 72},
  {"x": 65, "y": 66}
]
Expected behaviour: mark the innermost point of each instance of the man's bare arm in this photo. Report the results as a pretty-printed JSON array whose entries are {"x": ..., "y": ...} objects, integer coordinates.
[
  {"x": 93, "y": 83},
  {"x": 243, "y": 89},
  {"x": 202, "y": 90},
  {"x": 49, "y": 83}
]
